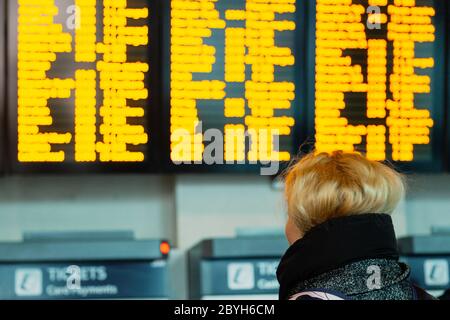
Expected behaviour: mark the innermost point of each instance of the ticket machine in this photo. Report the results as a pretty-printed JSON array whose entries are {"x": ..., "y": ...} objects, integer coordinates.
[
  {"x": 235, "y": 268},
  {"x": 84, "y": 266},
  {"x": 428, "y": 257}
]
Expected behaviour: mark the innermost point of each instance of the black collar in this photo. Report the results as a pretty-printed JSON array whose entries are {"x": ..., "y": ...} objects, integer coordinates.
[{"x": 334, "y": 244}]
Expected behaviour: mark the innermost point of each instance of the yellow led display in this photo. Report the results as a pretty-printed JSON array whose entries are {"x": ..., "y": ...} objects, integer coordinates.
[
  {"x": 408, "y": 126},
  {"x": 107, "y": 88},
  {"x": 392, "y": 124},
  {"x": 262, "y": 106},
  {"x": 39, "y": 42}
]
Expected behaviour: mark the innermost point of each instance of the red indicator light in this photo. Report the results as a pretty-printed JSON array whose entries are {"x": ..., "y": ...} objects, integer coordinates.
[{"x": 164, "y": 247}]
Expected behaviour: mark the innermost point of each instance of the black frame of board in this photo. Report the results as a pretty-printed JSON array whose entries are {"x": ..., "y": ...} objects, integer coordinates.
[
  {"x": 439, "y": 145},
  {"x": 437, "y": 164},
  {"x": 446, "y": 88},
  {"x": 152, "y": 162},
  {"x": 300, "y": 110},
  {"x": 2, "y": 85}
]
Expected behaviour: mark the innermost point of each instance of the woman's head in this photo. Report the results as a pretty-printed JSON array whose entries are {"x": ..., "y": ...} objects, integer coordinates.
[{"x": 323, "y": 186}]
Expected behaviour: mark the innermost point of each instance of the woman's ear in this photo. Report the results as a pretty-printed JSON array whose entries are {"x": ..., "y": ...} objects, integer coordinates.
[{"x": 292, "y": 232}]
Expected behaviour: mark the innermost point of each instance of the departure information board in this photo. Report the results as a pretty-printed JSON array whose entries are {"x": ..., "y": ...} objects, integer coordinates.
[
  {"x": 232, "y": 81},
  {"x": 83, "y": 78},
  {"x": 221, "y": 85},
  {"x": 379, "y": 79}
]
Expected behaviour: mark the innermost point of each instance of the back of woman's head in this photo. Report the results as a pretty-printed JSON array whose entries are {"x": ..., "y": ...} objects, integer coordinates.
[{"x": 324, "y": 186}]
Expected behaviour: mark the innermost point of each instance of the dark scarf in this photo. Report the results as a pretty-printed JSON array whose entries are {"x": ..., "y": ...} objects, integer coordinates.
[{"x": 334, "y": 244}]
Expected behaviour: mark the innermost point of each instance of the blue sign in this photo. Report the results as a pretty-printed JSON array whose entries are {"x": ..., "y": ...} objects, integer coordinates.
[{"x": 109, "y": 280}]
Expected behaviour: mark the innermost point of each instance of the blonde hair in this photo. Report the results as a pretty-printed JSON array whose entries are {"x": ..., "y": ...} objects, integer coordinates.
[{"x": 324, "y": 186}]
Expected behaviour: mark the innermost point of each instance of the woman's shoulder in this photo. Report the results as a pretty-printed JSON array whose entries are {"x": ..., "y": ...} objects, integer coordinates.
[{"x": 370, "y": 279}]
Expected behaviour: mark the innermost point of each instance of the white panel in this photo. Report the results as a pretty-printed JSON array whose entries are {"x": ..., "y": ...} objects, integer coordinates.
[
  {"x": 143, "y": 204},
  {"x": 214, "y": 206}
]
